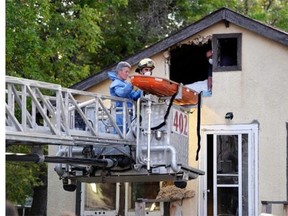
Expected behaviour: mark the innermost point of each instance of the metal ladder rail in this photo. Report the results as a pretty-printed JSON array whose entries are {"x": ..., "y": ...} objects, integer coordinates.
[
  {"x": 56, "y": 111},
  {"x": 23, "y": 95}
]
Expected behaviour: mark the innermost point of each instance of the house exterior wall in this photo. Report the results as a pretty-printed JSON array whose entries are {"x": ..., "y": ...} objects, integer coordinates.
[
  {"x": 59, "y": 200},
  {"x": 256, "y": 93}
]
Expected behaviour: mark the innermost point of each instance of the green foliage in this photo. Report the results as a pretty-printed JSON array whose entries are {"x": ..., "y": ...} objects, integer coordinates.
[
  {"x": 22, "y": 177},
  {"x": 272, "y": 12},
  {"x": 52, "y": 41}
]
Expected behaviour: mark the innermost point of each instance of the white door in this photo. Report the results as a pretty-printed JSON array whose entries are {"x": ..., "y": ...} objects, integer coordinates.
[{"x": 229, "y": 157}]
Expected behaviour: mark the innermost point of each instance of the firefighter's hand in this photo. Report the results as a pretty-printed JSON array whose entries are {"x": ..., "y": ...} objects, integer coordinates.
[{"x": 135, "y": 88}]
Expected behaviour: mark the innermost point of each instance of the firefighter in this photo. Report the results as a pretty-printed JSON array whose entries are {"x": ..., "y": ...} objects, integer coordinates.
[
  {"x": 145, "y": 67},
  {"x": 121, "y": 88}
]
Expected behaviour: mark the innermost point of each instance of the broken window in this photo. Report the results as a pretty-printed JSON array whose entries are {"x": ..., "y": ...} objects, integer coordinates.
[
  {"x": 226, "y": 52},
  {"x": 190, "y": 66}
]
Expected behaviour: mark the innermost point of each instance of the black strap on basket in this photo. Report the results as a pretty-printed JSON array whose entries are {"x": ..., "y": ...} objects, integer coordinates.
[
  {"x": 198, "y": 125},
  {"x": 167, "y": 112}
]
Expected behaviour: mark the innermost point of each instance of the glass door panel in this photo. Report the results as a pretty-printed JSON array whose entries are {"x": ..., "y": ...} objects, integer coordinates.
[
  {"x": 230, "y": 184},
  {"x": 100, "y": 196},
  {"x": 227, "y": 155},
  {"x": 227, "y": 176},
  {"x": 227, "y": 201}
]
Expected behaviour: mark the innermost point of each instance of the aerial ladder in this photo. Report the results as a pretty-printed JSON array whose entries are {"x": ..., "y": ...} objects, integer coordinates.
[{"x": 91, "y": 146}]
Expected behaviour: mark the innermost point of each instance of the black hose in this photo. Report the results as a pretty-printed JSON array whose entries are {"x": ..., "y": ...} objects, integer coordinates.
[
  {"x": 105, "y": 163},
  {"x": 198, "y": 125}
]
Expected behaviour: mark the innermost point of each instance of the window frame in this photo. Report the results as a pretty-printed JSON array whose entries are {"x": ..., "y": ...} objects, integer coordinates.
[
  {"x": 215, "y": 40},
  {"x": 125, "y": 196}
]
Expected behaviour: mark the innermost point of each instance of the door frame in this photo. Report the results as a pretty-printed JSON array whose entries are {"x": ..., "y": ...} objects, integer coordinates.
[{"x": 253, "y": 132}]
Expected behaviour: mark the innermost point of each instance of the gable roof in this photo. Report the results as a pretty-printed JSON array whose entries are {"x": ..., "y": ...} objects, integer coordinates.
[{"x": 222, "y": 14}]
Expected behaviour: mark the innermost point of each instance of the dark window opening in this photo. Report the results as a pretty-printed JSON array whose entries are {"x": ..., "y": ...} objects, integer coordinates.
[
  {"x": 188, "y": 63},
  {"x": 227, "y": 52},
  {"x": 190, "y": 66}
]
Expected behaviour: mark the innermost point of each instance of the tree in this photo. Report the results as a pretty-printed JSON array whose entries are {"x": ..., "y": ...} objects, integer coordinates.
[
  {"x": 21, "y": 178},
  {"x": 53, "y": 40},
  {"x": 272, "y": 12}
]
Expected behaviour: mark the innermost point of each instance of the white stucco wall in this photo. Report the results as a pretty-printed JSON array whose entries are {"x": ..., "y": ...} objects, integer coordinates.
[
  {"x": 257, "y": 92},
  {"x": 59, "y": 200}
]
